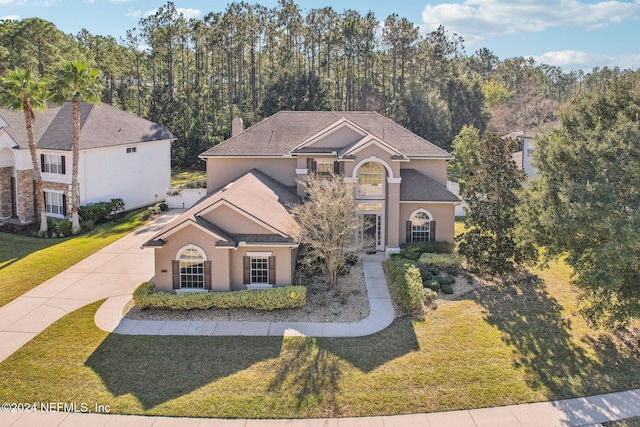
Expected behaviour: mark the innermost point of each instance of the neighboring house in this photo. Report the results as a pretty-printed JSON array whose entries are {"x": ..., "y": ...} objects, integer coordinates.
[
  {"x": 121, "y": 156},
  {"x": 527, "y": 142},
  {"x": 242, "y": 235}
]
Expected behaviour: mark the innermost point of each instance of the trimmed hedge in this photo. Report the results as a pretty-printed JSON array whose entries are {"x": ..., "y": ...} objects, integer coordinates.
[
  {"x": 436, "y": 263},
  {"x": 406, "y": 283},
  {"x": 414, "y": 250},
  {"x": 264, "y": 299}
]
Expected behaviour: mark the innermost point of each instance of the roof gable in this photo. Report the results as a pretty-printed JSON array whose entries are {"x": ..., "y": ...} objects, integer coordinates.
[
  {"x": 255, "y": 197},
  {"x": 367, "y": 142},
  {"x": 338, "y": 135}
]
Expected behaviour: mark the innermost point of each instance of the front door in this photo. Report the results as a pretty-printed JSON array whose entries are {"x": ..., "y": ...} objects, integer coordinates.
[{"x": 372, "y": 232}]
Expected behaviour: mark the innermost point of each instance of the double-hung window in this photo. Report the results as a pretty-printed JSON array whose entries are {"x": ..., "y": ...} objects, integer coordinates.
[
  {"x": 259, "y": 269},
  {"x": 420, "y": 227},
  {"x": 52, "y": 163},
  {"x": 55, "y": 203}
]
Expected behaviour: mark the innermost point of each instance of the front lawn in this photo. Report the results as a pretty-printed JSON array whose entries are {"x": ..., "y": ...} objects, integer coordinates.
[
  {"x": 497, "y": 345},
  {"x": 26, "y": 262}
]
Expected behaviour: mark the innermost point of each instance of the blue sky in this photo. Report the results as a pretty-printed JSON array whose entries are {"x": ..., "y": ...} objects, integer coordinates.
[{"x": 572, "y": 34}]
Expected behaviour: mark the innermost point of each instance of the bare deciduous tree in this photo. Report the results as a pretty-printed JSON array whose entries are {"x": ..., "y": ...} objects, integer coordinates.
[{"x": 328, "y": 222}]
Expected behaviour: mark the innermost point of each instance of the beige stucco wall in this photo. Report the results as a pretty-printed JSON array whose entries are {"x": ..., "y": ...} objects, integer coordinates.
[
  {"x": 442, "y": 213},
  {"x": 234, "y": 222},
  {"x": 372, "y": 151},
  {"x": 191, "y": 235},
  {"x": 433, "y": 168},
  {"x": 283, "y": 264},
  {"x": 226, "y": 263},
  {"x": 339, "y": 138},
  {"x": 221, "y": 171}
]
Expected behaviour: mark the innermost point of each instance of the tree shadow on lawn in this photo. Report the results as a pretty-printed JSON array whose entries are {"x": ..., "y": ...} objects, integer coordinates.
[
  {"x": 311, "y": 368},
  {"x": 158, "y": 369},
  {"x": 532, "y": 321}
]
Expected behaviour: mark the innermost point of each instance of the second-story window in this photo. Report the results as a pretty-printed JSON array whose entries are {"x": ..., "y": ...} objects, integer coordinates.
[
  {"x": 52, "y": 163},
  {"x": 370, "y": 180},
  {"x": 324, "y": 168}
]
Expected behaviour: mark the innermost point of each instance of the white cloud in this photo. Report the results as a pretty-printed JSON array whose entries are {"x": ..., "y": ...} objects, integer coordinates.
[
  {"x": 185, "y": 12},
  {"x": 133, "y": 13},
  {"x": 6, "y": 1},
  {"x": 586, "y": 61},
  {"x": 189, "y": 13},
  {"x": 120, "y": 1},
  {"x": 10, "y": 18},
  {"x": 475, "y": 19}
]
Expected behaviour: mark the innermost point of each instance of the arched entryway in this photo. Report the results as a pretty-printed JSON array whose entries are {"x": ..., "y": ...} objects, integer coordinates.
[{"x": 371, "y": 178}]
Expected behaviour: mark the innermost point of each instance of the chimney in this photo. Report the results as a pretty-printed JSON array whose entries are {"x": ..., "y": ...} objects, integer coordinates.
[{"x": 236, "y": 126}]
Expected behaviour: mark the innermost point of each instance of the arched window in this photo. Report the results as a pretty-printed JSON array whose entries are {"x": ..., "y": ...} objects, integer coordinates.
[
  {"x": 371, "y": 180},
  {"x": 192, "y": 262},
  {"x": 421, "y": 227}
]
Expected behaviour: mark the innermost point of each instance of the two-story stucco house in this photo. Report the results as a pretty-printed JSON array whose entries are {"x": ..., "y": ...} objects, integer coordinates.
[
  {"x": 121, "y": 156},
  {"x": 241, "y": 235}
]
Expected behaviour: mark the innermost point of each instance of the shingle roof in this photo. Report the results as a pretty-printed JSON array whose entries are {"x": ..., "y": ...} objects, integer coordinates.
[
  {"x": 100, "y": 126},
  {"x": 417, "y": 187},
  {"x": 255, "y": 194},
  {"x": 279, "y": 134}
]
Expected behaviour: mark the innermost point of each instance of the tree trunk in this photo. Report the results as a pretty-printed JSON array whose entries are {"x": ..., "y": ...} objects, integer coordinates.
[
  {"x": 39, "y": 205},
  {"x": 75, "y": 185}
]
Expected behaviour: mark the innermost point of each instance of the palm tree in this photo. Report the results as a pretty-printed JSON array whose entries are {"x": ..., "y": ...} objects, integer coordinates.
[
  {"x": 19, "y": 90},
  {"x": 78, "y": 82}
]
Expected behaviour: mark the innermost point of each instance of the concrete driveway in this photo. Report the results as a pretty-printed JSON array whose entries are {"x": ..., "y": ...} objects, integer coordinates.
[{"x": 113, "y": 271}]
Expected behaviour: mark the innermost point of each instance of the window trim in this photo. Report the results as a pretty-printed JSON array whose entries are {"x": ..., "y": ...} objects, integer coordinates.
[
  {"x": 62, "y": 206},
  {"x": 179, "y": 256},
  {"x": 46, "y": 163},
  {"x": 361, "y": 174},
  {"x": 421, "y": 231},
  {"x": 263, "y": 270}
]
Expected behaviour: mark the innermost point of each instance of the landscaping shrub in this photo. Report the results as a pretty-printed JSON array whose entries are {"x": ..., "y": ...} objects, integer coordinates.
[
  {"x": 343, "y": 270},
  {"x": 445, "y": 280},
  {"x": 432, "y": 285},
  {"x": 406, "y": 283},
  {"x": 100, "y": 212},
  {"x": 57, "y": 228},
  {"x": 436, "y": 263},
  {"x": 411, "y": 251},
  {"x": 430, "y": 296},
  {"x": 414, "y": 250},
  {"x": 351, "y": 259},
  {"x": 153, "y": 210},
  {"x": 265, "y": 299},
  {"x": 447, "y": 289}
]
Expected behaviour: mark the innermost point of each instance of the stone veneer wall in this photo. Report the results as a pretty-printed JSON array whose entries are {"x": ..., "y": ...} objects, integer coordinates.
[
  {"x": 65, "y": 188},
  {"x": 6, "y": 202},
  {"x": 26, "y": 209}
]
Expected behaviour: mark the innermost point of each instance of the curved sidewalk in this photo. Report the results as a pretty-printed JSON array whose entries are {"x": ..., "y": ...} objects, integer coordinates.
[{"x": 381, "y": 314}]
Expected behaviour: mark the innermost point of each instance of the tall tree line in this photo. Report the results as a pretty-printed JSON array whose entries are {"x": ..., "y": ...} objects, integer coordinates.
[{"x": 193, "y": 76}]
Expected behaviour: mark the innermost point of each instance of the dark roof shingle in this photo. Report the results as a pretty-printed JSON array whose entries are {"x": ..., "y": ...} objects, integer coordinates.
[
  {"x": 417, "y": 187},
  {"x": 100, "y": 126},
  {"x": 279, "y": 134}
]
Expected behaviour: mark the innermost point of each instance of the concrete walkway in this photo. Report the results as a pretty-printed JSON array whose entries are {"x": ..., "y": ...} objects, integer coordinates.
[{"x": 116, "y": 270}]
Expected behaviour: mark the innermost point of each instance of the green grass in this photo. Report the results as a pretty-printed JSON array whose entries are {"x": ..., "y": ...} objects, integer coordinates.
[
  {"x": 26, "y": 262},
  {"x": 182, "y": 176},
  {"x": 499, "y": 345}
]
